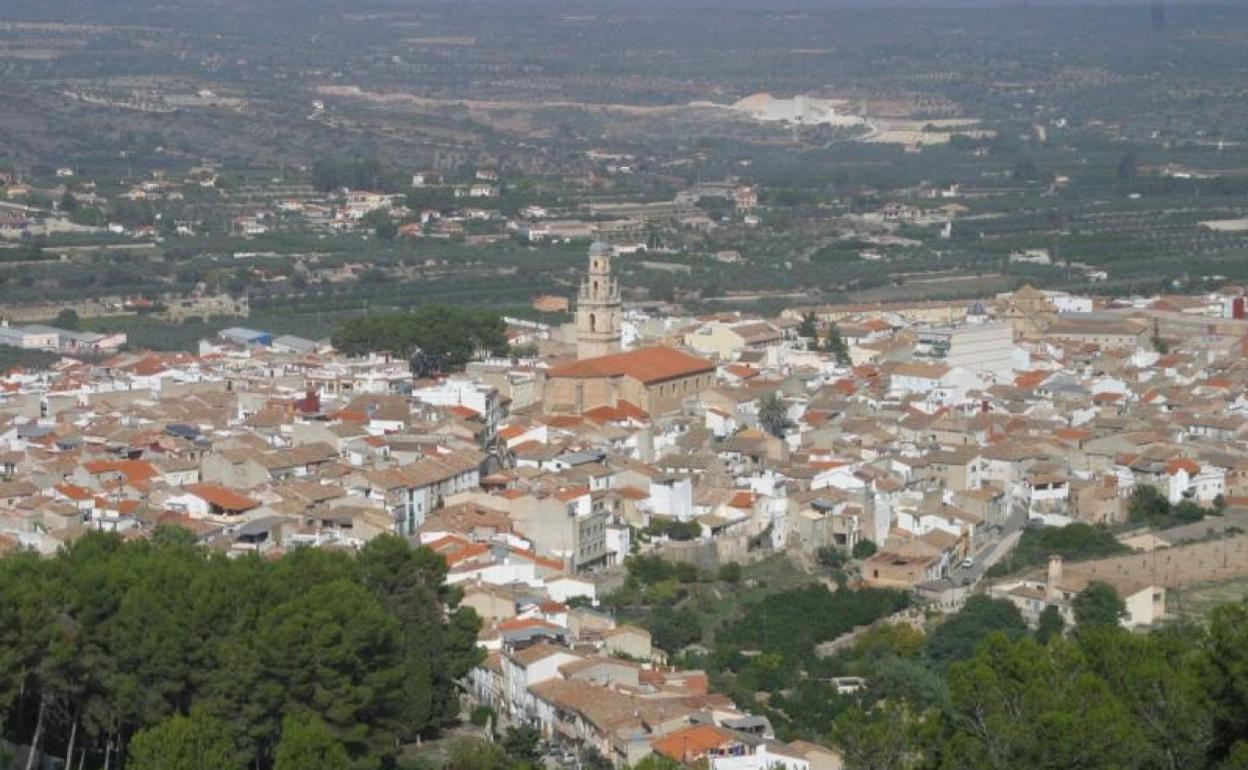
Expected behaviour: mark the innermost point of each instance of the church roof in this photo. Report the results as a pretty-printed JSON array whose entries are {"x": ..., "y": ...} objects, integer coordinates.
[{"x": 647, "y": 365}]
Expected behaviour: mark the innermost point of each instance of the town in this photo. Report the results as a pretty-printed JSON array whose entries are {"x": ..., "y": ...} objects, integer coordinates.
[
  {"x": 831, "y": 385},
  {"x": 911, "y": 445}
]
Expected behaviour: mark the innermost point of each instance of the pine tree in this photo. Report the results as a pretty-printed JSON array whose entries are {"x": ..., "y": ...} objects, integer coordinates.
[
  {"x": 307, "y": 745},
  {"x": 835, "y": 344}
]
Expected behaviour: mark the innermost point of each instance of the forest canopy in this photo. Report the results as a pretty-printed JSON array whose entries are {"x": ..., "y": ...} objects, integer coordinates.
[
  {"x": 453, "y": 334},
  {"x": 117, "y": 648}
]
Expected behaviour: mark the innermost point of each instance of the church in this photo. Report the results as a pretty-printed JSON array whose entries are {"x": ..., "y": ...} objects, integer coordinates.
[{"x": 654, "y": 380}]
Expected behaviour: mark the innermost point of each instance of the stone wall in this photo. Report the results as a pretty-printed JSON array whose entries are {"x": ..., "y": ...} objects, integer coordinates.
[{"x": 1213, "y": 561}]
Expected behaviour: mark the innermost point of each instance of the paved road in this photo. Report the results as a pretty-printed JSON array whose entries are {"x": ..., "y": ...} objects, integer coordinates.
[{"x": 988, "y": 553}]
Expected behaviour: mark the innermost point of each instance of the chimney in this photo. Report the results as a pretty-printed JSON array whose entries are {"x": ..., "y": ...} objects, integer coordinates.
[{"x": 1052, "y": 589}]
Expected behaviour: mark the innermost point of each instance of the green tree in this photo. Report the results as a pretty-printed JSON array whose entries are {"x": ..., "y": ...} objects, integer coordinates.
[
  {"x": 337, "y": 653},
  {"x": 195, "y": 742},
  {"x": 382, "y": 225},
  {"x": 1128, "y": 165},
  {"x": 830, "y": 556},
  {"x": 67, "y": 319},
  {"x": 1074, "y": 542},
  {"x": 1016, "y": 704},
  {"x": 523, "y": 743},
  {"x": 1225, "y": 676},
  {"x": 886, "y": 737},
  {"x": 649, "y": 569},
  {"x": 808, "y": 329},
  {"x": 674, "y": 628},
  {"x": 834, "y": 343},
  {"x": 1147, "y": 505},
  {"x": 956, "y": 638},
  {"x": 306, "y": 744},
  {"x": 1187, "y": 512},
  {"x": 454, "y": 335},
  {"x": 656, "y": 761},
  {"x": 438, "y": 638},
  {"x": 889, "y": 640},
  {"x": 773, "y": 415},
  {"x": 1099, "y": 605},
  {"x": 173, "y": 536},
  {"x": 1026, "y": 170},
  {"x": 674, "y": 528},
  {"x": 475, "y": 754},
  {"x": 864, "y": 549},
  {"x": 1156, "y": 676},
  {"x": 1050, "y": 624},
  {"x": 730, "y": 572},
  {"x": 592, "y": 759}
]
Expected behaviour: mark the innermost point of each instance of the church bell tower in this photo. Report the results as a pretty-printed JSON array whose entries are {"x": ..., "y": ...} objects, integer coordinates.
[{"x": 598, "y": 307}]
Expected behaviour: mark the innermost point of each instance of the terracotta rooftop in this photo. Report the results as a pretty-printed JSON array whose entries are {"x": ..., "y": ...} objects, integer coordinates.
[
  {"x": 133, "y": 470},
  {"x": 693, "y": 743},
  {"x": 647, "y": 365},
  {"x": 222, "y": 497}
]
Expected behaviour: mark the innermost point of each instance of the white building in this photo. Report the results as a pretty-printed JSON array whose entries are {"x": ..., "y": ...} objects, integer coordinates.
[
  {"x": 980, "y": 348},
  {"x": 672, "y": 496},
  {"x": 30, "y": 337},
  {"x": 467, "y": 393},
  {"x": 762, "y": 759}
]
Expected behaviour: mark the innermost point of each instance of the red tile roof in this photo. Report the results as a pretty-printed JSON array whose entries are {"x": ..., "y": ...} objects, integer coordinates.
[
  {"x": 1182, "y": 463},
  {"x": 631, "y": 493},
  {"x": 222, "y": 497},
  {"x": 132, "y": 470},
  {"x": 1027, "y": 380},
  {"x": 647, "y": 365},
  {"x": 1073, "y": 434},
  {"x": 562, "y": 421},
  {"x": 74, "y": 492},
  {"x": 742, "y": 500},
  {"x": 512, "y": 431},
  {"x": 827, "y": 465},
  {"x": 572, "y": 493},
  {"x": 543, "y": 561},
  {"x": 692, "y": 743},
  {"x": 622, "y": 411},
  {"x": 741, "y": 371},
  {"x": 515, "y": 624}
]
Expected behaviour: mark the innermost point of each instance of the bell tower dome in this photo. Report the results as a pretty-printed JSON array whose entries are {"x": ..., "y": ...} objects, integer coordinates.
[{"x": 598, "y": 307}]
